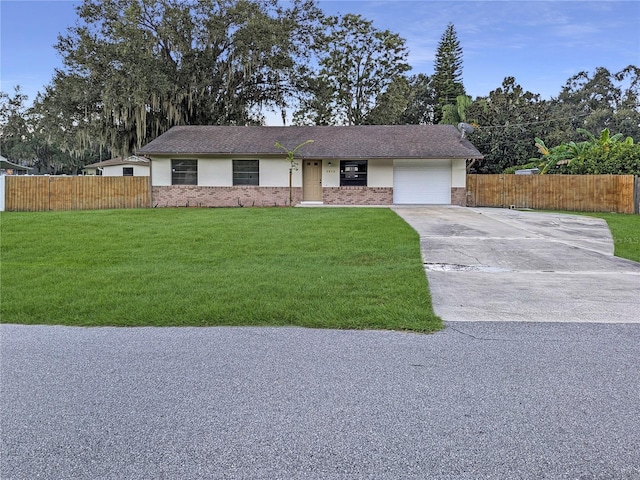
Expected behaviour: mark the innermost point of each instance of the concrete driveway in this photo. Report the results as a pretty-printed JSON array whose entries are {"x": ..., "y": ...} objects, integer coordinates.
[{"x": 486, "y": 264}]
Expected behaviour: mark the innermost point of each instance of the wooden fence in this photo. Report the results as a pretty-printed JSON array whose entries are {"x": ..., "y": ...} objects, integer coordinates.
[
  {"x": 587, "y": 193},
  {"x": 39, "y": 194},
  {"x": 582, "y": 193}
]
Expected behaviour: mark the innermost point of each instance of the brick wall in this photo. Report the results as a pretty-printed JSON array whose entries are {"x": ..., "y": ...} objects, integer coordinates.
[
  {"x": 197, "y": 196},
  {"x": 357, "y": 195},
  {"x": 459, "y": 196}
]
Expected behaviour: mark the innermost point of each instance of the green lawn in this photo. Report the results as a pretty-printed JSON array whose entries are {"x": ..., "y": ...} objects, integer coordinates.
[
  {"x": 625, "y": 230},
  {"x": 346, "y": 268}
]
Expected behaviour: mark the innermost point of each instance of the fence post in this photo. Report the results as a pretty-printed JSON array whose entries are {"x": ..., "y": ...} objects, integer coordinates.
[
  {"x": 636, "y": 195},
  {"x": 2, "y": 190},
  {"x": 469, "y": 200}
]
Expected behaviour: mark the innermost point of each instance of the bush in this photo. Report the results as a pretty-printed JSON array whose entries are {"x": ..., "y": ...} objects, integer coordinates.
[{"x": 618, "y": 159}]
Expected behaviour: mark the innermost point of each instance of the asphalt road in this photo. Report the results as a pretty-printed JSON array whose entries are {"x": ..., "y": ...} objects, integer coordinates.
[{"x": 476, "y": 401}]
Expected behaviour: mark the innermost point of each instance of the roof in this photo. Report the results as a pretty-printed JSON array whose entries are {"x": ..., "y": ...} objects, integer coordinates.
[
  {"x": 132, "y": 160},
  {"x": 366, "y": 141},
  {"x": 7, "y": 165}
]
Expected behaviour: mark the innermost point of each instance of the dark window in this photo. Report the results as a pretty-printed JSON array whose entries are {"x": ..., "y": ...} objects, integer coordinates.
[
  {"x": 246, "y": 172},
  {"x": 127, "y": 171},
  {"x": 353, "y": 173},
  {"x": 184, "y": 172}
]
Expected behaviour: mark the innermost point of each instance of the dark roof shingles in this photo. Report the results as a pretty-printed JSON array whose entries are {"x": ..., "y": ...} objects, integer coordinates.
[{"x": 371, "y": 141}]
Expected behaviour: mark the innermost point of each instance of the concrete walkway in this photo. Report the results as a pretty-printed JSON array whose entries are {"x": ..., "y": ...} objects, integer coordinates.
[{"x": 488, "y": 264}]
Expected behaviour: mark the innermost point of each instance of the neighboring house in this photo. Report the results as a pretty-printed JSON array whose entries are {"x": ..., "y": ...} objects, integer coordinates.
[
  {"x": 10, "y": 168},
  {"x": 354, "y": 165},
  {"x": 132, "y": 166}
]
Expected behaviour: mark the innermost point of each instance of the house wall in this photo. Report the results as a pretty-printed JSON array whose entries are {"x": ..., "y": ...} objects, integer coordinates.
[
  {"x": 141, "y": 170},
  {"x": 116, "y": 170},
  {"x": 160, "y": 172},
  {"x": 459, "y": 196},
  {"x": 458, "y": 172},
  {"x": 203, "y": 196},
  {"x": 357, "y": 195},
  {"x": 218, "y": 172},
  {"x": 379, "y": 173},
  {"x": 378, "y": 192},
  {"x": 330, "y": 173},
  {"x": 212, "y": 173},
  {"x": 215, "y": 187},
  {"x": 275, "y": 173},
  {"x": 459, "y": 182}
]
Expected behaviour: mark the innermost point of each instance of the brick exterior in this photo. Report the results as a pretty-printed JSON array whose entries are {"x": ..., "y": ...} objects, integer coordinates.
[
  {"x": 197, "y": 196},
  {"x": 357, "y": 195},
  {"x": 459, "y": 196}
]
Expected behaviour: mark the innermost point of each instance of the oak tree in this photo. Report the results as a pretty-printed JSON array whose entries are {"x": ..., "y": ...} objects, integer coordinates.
[
  {"x": 356, "y": 64},
  {"x": 134, "y": 68}
]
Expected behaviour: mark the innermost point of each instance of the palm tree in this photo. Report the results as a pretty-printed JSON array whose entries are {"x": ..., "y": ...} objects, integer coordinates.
[
  {"x": 293, "y": 165},
  {"x": 454, "y": 114}
]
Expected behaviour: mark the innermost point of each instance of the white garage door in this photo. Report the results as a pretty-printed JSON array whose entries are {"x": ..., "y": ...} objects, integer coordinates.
[{"x": 422, "y": 181}]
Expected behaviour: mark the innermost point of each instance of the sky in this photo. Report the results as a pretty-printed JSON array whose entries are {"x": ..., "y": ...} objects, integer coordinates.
[{"x": 540, "y": 43}]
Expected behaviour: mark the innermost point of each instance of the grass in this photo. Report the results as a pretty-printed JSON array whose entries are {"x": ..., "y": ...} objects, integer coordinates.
[{"x": 322, "y": 268}]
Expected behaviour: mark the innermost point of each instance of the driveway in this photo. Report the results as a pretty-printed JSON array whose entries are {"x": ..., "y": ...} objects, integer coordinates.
[{"x": 486, "y": 264}]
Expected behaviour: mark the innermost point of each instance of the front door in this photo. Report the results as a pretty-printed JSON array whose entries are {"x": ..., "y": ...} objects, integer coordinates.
[{"x": 312, "y": 181}]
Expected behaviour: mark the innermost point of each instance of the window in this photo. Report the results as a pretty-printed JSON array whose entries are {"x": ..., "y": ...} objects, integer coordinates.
[
  {"x": 184, "y": 172},
  {"x": 127, "y": 171},
  {"x": 246, "y": 172},
  {"x": 353, "y": 173}
]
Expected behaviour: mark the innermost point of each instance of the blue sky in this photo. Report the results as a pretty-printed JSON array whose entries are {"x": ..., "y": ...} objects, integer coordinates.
[{"x": 540, "y": 43}]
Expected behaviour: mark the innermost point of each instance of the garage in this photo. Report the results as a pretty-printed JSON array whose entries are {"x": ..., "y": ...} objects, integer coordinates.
[
  {"x": 356, "y": 165},
  {"x": 422, "y": 182}
]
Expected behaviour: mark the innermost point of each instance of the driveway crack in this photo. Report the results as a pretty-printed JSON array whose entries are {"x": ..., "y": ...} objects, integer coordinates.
[{"x": 466, "y": 254}]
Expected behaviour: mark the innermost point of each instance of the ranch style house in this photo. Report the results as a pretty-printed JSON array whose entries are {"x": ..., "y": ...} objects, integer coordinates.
[{"x": 218, "y": 166}]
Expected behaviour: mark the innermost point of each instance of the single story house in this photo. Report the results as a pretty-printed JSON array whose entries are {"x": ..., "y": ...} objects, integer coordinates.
[
  {"x": 10, "y": 168},
  {"x": 346, "y": 165},
  {"x": 132, "y": 166}
]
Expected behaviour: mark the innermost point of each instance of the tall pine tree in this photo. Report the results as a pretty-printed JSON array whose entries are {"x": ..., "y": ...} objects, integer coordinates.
[{"x": 447, "y": 77}]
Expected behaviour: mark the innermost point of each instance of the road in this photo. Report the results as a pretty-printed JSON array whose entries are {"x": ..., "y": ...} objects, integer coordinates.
[{"x": 479, "y": 400}]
